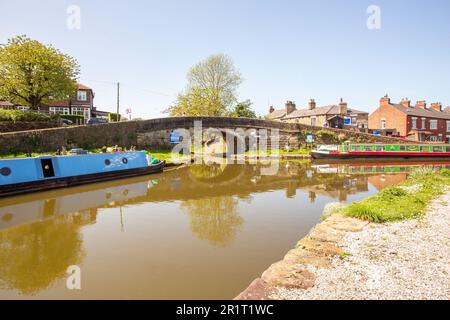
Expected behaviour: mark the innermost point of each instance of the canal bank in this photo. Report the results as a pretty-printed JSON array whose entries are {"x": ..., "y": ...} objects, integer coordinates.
[{"x": 348, "y": 258}]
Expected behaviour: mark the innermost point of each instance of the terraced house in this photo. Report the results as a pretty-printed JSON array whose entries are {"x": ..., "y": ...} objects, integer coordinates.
[
  {"x": 419, "y": 122},
  {"x": 331, "y": 116}
]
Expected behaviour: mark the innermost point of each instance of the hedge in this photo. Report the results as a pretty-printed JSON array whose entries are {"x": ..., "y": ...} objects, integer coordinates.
[
  {"x": 112, "y": 117},
  {"x": 22, "y": 115},
  {"x": 75, "y": 118}
]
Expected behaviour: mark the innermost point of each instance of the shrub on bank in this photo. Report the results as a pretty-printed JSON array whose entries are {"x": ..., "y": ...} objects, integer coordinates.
[
  {"x": 21, "y": 115},
  {"x": 405, "y": 201},
  {"x": 75, "y": 118}
]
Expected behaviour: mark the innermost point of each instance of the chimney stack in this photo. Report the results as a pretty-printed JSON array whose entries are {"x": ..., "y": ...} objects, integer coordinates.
[
  {"x": 311, "y": 104},
  {"x": 406, "y": 103},
  {"x": 342, "y": 107},
  {"x": 385, "y": 101},
  {"x": 447, "y": 109},
  {"x": 421, "y": 104},
  {"x": 436, "y": 106},
  {"x": 290, "y": 107},
  {"x": 271, "y": 109}
]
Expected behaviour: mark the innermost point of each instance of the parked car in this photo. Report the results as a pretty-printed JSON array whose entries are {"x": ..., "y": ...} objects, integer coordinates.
[
  {"x": 67, "y": 121},
  {"x": 96, "y": 121}
]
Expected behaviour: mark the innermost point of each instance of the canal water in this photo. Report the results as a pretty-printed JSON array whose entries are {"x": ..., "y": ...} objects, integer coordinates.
[{"x": 197, "y": 232}]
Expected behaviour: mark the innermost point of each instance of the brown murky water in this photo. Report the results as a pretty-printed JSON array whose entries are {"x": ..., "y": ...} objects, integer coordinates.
[{"x": 199, "y": 232}]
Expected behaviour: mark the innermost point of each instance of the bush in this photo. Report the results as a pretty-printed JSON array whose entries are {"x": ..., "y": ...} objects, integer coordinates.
[
  {"x": 20, "y": 115},
  {"x": 327, "y": 136},
  {"x": 112, "y": 117},
  {"x": 445, "y": 172},
  {"x": 75, "y": 118}
]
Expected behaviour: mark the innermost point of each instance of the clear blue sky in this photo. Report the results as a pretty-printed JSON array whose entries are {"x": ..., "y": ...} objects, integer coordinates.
[{"x": 285, "y": 50}]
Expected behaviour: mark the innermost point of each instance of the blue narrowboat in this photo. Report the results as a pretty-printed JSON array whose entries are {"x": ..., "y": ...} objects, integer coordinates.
[{"x": 22, "y": 175}]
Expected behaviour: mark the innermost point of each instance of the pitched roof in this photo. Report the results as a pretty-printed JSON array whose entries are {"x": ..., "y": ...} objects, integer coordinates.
[
  {"x": 63, "y": 103},
  {"x": 419, "y": 112},
  {"x": 277, "y": 114},
  {"x": 326, "y": 110},
  {"x": 6, "y": 104},
  {"x": 83, "y": 87}
]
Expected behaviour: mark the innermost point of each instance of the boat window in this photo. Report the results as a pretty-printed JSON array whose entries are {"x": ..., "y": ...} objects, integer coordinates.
[
  {"x": 47, "y": 168},
  {"x": 424, "y": 148},
  {"x": 402, "y": 148},
  {"x": 448, "y": 149},
  {"x": 5, "y": 171},
  {"x": 368, "y": 148},
  {"x": 125, "y": 160},
  {"x": 107, "y": 162},
  {"x": 353, "y": 148},
  {"x": 379, "y": 148},
  {"x": 437, "y": 149}
]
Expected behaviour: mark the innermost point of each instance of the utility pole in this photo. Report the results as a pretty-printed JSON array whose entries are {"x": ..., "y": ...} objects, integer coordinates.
[{"x": 118, "y": 101}]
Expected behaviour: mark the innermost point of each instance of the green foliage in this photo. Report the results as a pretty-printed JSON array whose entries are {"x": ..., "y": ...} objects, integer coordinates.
[
  {"x": 244, "y": 110},
  {"x": 75, "y": 118},
  {"x": 87, "y": 144},
  {"x": 31, "y": 73},
  {"x": 20, "y": 115},
  {"x": 445, "y": 172},
  {"x": 405, "y": 201},
  {"x": 327, "y": 136},
  {"x": 113, "y": 117},
  {"x": 211, "y": 89}
]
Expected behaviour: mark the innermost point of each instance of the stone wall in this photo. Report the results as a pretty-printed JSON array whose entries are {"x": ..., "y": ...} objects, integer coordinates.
[
  {"x": 9, "y": 126},
  {"x": 154, "y": 133}
]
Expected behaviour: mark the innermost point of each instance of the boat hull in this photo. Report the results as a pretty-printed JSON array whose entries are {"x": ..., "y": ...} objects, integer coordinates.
[
  {"x": 48, "y": 184},
  {"x": 380, "y": 155}
]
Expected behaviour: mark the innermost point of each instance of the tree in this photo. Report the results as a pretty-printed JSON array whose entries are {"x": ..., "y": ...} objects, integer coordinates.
[
  {"x": 244, "y": 110},
  {"x": 32, "y": 73},
  {"x": 211, "y": 89}
]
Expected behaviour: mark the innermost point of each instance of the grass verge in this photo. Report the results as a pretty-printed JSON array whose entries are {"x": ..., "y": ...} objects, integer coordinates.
[{"x": 404, "y": 201}]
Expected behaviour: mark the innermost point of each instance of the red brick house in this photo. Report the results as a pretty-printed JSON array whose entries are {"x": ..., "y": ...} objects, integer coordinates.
[
  {"x": 81, "y": 104},
  {"x": 417, "y": 122}
]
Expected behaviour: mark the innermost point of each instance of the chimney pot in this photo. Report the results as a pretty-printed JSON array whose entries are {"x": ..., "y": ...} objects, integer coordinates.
[
  {"x": 342, "y": 107},
  {"x": 421, "y": 104},
  {"x": 290, "y": 107},
  {"x": 385, "y": 100},
  {"x": 311, "y": 104},
  {"x": 436, "y": 106},
  {"x": 406, "y": 102}
]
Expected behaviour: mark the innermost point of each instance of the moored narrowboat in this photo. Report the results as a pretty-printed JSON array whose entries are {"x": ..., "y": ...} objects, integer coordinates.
[
  {"x": 367, "y": 151},
  {"x": 22, "y": 175}
]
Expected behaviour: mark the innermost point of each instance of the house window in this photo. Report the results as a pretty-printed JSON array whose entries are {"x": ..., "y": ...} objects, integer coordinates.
[
  {"x": 414, "y": 123},
  {"x": 424, "y": 125},
  {"x": 23, "y": 108},
  {"x": 60, "y": 110},
  {"x": 85, "y": 112},
  {"x": 313, "y": 121},
  {"x": 383, "y": 123},
  {"x": 433, "y": 124},
  {"x": 448, "y": 125},
  {"x": 354, "y": 121},
  {"x": 81, "y": 96}
]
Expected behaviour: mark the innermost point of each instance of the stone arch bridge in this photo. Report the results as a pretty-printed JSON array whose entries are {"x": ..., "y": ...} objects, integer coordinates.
[{"x": 155, "y": 134}]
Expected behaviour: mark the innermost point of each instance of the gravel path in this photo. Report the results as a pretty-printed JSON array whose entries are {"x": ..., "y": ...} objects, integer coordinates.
[{"x": 402, "y": 260}]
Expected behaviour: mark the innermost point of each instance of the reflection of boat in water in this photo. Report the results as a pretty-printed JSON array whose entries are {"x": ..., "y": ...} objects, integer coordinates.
[
  {"x": 377, "y": 151},
  {"x": 33, "y": 208},
  {"x": 24, "y": 175},
  {"x": 372, "y": 168}
]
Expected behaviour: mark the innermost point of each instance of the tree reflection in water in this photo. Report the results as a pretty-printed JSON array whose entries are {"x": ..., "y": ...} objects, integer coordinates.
[
  {"x": 214, "y": 219},
  {"x": 34, "y": 256}
]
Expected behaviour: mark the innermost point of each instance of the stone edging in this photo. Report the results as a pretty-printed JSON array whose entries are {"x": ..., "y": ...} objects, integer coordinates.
[{"x": 316, "y": 249}]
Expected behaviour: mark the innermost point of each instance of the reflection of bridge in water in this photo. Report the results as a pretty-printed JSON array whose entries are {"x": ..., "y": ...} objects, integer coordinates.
[
  {"x": 40, "y": 234},
  {"x": 201, "y": 181}
]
